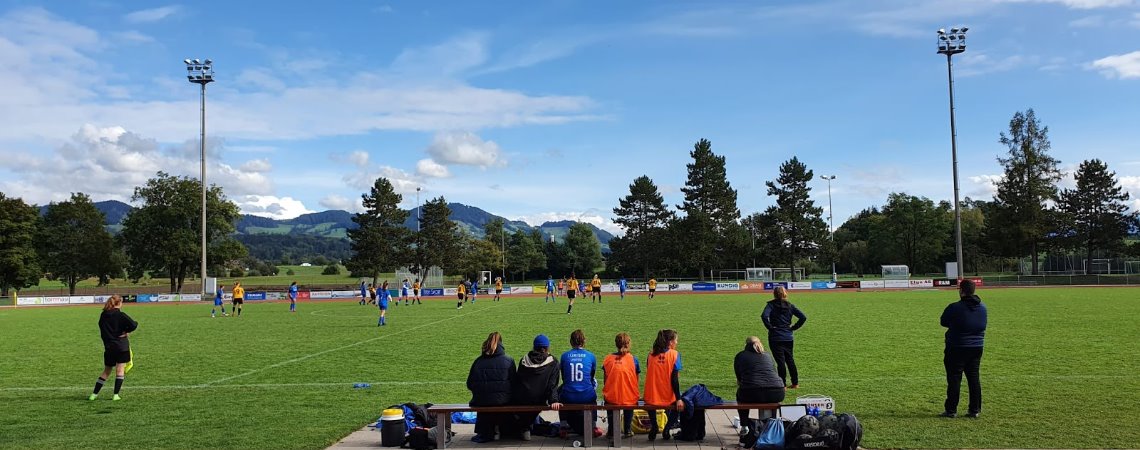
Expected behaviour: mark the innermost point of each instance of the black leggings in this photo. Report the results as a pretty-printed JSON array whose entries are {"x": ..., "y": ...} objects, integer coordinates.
[
  {"x": 626, "y": 421},
  {"x": 785, "y": 360},
  {"x": 757, "y": 395}
]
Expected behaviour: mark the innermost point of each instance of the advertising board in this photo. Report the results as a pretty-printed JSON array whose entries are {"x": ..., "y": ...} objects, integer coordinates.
[{"x": 728, "y": 286}]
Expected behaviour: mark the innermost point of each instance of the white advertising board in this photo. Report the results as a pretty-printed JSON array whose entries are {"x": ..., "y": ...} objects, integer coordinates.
[
  {"x": 799, "y": 285},
  {"x": 82, "y": 300},
  {"x": 872, "y": 284},
  {"x": 921, "y": 283},
  {"x": 897, "y": 284},
  {"x": 734, "y": 286}
]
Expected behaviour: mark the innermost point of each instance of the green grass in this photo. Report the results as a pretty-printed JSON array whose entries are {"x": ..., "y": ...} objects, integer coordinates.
[{"x": 277, "y": 380}]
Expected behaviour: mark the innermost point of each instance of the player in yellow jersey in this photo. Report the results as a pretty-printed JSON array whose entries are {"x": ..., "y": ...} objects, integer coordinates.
[
  {"x": 461, "y": 293},
  {"x": 652, "y": 287},
  {"x": 595, "y": 289},
  {"x": 416, "y": 292},
  {"x": 571, "y": 291},
  {"x": 498, "y": 288}
]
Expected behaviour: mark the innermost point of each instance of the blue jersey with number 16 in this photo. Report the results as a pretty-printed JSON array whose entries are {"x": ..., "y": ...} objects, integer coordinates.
[{"x": 578, "y": 366}]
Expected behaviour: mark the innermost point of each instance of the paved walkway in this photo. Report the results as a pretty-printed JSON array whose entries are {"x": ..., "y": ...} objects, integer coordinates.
[{"x": 719, "y": 434}]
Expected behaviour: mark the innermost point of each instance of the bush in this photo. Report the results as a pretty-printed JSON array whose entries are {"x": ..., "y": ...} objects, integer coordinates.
[
  {"x": 237, "y": 272},
  {"x": 290, "y": 272},
  {"x": 254, "y": 273},
  {"x": 331, "y": 269},
  {"x": 320, "y": 261}
]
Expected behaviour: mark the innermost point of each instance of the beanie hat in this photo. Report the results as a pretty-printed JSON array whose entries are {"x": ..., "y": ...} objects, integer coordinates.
[{"x": 541, "y": 341}]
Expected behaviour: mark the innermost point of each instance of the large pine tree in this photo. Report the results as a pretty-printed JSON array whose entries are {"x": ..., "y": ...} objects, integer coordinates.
[
  {"x": 380, "y": 243},
  {"x": 643, "y": 216},
  {"x": 437, "y": 241},
  {"x": 1095, "y": 215},
  {"x": 799, "y": 223},
  {"x": 1029, "y": 183},
  {"x": 711, "y": 213}
]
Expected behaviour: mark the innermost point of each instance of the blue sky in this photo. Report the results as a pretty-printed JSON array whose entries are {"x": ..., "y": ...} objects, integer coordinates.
[{"x": 549, "y": 110}]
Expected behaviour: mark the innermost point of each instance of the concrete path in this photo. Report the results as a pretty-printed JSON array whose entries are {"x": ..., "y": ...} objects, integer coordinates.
[{"x": 719, "y": 434}]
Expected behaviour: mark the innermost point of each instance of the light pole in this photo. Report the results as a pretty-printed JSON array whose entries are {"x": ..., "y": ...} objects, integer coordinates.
[
  {"x": 831, "y": 222},
  {"x": 202, "y": 73},
  {"x": 950, "y": 44}
]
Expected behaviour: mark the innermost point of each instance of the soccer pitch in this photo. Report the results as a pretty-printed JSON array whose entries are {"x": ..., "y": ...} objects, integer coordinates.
[{"x": 1061, "y": 366}]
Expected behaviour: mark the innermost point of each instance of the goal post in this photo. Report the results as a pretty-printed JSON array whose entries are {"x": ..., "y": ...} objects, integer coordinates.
[{"x": 896, "y": 272}]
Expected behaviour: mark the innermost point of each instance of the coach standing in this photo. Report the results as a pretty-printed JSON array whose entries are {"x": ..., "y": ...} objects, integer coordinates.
[{"x": 965, "y": 322}]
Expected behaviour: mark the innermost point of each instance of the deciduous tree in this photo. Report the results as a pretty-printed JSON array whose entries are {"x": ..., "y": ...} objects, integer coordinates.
[
  {"x": 19, "y": 266},
  {"x": 73, "y": 244}
]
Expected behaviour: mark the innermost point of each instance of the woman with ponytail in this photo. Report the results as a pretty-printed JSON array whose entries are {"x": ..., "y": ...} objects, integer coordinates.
[
  {"x": 621, "y": 370},
  {"x": 662, "y": 386},
  {"x": 114, "y": 328}
]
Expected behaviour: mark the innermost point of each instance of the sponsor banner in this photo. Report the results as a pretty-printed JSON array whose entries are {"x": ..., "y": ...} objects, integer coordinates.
[
  {"x": 303, "y": 295},
  {"x": 823, "y": 285},
  {"x": 609, "y": 287},
  {"x": 896, "y": 284},
  {"x": 943, "y": 282},
  {"x": 165, "y": 298},
  {"x": 752, "y": 286},
  {"x": 190, "y": 298},
  {"x": 682, "y": 287},
  {"x": 343, "y": 294},
  {"x": 26, "y": 301},
  {"x": 977, "y": 281},
  {"x": 704, "y": 286},
  {"x": 146, "y": 298},
  {"x": 320, "y": 294},
  {"x": 101, "y": 298},
  {"x": 56, "y": 301},
  {"x": 872, "y": 284},
  {"x": 269, "y": 296},
  {"x": 847, "y": 284},
  {"x": 769, "y": 285},
  {"x": 431, "y": 292},
  {"x": 921, "y": 283},
  {"x": 450, "y": 291},
  {"x": 801, "y": 285},
  {"x": 519, "y": 290},
  {"x": 82, "y": 300},
  {"x": 638, "y": 287},
  {"x": 728, "y": 286}
]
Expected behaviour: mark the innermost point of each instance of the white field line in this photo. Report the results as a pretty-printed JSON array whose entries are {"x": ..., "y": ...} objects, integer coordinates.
[
  {"x": 346, "y": 384},
  {"x": 336, "y": 349}
]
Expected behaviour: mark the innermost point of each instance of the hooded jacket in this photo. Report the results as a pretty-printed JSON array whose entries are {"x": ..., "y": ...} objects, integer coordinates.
[
  {"x": 965, "y": 322},
  {"x": 536, "y": 381},
  {"x": 777, "y": 317},
  {"x": 490, "y": 379},
  {"x": 756, "y": 370},
  {"x": 699, "y": 397}
]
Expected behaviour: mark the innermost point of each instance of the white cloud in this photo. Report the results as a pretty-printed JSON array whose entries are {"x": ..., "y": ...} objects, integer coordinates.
[
  {"x": 133, "y": 37},
  {"x": 984, "y": 186},
  {"x": 257, "y": 165},
  {"x": 1131, "y": 183},
  {"x": 337, "y": 202},
  {"x": 270, "y": 206},
  {"x": 1087, "y": 22},
  {"x": 429, "y": 168},
  {"x": 590, "y": 216},
  {"x": 1081, "y": 4},
  {"x": 1119, "y": 66},
  {"x": 402, "y": 182},
  {"x": 152, "y": 15},
  {"x": 978, "y": 63},
  {"x": 1135, "y": 20},
  {"x": 451, "y": 57},
  {"x": 465, "y": 148},
  {"x": 359, "y": 158}
]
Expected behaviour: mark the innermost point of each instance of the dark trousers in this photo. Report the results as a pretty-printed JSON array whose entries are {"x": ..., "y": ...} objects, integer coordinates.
[
  {"x": 626, "y": 421},
  {"x": 670, "y": 420},
  {"x": 958, "y": 360},
  {"x": 574, "y": 418},
  {"x": 485, "y": 423},
  {"x": 757, "y": 395},
  {"x": 782, "y": 351}
]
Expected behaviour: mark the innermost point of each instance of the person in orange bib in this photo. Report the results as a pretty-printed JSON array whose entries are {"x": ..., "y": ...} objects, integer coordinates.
[
  {"x": 662, "y": 386},
  {"x": 621, "y": 370}
]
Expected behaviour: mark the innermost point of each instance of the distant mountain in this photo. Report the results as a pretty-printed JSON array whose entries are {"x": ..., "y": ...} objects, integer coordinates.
[
  {"x": 113, "y": 209},
  {"x": 560, "y": 228}
]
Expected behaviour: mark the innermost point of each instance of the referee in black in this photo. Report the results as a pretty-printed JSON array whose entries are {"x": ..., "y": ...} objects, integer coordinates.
[{"x": 114, "y": 327}]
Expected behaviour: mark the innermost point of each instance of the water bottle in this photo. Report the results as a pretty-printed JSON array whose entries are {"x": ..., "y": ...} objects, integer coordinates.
[
  {"x": 577, "y": 443},
  {"x": 361, "y": 386}
]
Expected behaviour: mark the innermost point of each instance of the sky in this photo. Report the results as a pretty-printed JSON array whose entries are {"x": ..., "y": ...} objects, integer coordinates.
[{"x": 542, "y": 111}]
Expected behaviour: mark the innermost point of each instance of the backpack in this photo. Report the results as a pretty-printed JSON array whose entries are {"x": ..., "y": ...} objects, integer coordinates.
[
  {"x": 850, "y": 432},
  {"x": 755, "y": 427},
  {"x": 692, "y": 427},
  {"x": 420, "y": 438},
  {"x": 419, "y": 415},
  {"x": 773, "y": 436}
]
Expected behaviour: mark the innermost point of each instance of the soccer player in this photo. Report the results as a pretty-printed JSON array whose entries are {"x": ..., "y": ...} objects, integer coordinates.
[
  {"x": 652, "y": 288},
  {"x": 218, "y": 295},
  {"x": 364, "y": 288},
  {"x": 549, "y": 289},
  {"x": 474, "y": 291},
  {"x": 404, "y": 291},
  {"x": 620, "y": 388},
  {"x": 383, "y": 303},
  {"x": 596, "y": 289},
  {"x": 662, "y": 386},
  {"x": 115, "y": 327},
  {"x": 293, "y": 297},
  {"x": 578, "y": 386},
  {"x": 582, "y": 289},
  {"x": 372, "y": 294},
  {"x": 461, "y": 292},
  {"x": 416, "y": 292},
  {"x": 561, "y": 286},
  {"x": 498, "y": 288},
  {"x": 622, "y": 286},
  {"x": 239, "y": 298},
  {"x": 572, "y": 289}
]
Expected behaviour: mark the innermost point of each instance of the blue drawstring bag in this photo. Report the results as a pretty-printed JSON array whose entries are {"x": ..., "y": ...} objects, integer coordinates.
[
  {"x": 463, "y": 417},
  {"x": 773, "y": 436}
]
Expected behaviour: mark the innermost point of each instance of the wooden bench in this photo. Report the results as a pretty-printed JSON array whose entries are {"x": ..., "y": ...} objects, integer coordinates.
[{"x": 443, "y": 415}]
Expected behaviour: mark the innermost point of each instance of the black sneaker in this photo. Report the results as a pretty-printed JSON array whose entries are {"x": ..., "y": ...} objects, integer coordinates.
[
  {"x": 948, "y": 415},
  {"x": 973, "y": 415}
]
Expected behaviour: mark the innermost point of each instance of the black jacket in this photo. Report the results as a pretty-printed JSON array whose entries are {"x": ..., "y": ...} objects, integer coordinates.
[
  {"x": 756, "y": 370},
  {"x": 112, "y": 325},
  {"x": 777, "y": 317},
  {"x": 491, "y": 378},
  {"x": 536, "y": 382},
  {"x": 965, "y": 322}
]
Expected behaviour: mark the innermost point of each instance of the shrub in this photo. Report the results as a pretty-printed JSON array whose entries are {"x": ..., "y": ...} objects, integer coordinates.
[
  {"x": 331, "y": 269},
  {"x": 290, "y": 272},
  {"x": 237, "y": 272}
]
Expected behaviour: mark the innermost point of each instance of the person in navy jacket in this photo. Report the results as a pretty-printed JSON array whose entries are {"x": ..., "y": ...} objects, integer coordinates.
[
  {"x": 777, "y": 317},
  {"x": 965, "y": 322}
]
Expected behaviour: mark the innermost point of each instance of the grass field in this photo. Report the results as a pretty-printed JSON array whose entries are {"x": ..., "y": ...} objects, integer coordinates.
[{"x": 272, "y": 379}]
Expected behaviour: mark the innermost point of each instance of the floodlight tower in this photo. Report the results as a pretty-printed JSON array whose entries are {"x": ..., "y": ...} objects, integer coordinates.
[
  {"x": 950, "y": 44},
  {"x": 201, "y": 73},
  {"x": 831, "y": 221}
]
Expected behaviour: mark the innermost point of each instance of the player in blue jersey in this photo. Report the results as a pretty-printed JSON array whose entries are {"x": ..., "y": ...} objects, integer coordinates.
[
  {"x": 293, "y": 297},
  {"x": 549, "y": 290},
  {"x": 382, "y": 302},
  {"x": 404, "y": 291},
  {"x": 364, "y": 292},
  {"x": 218, "y": 302},
  {"x": 474, "y": 290},
  {"x": 622, "y": 286},
  {"x": 578, "y": 384}
]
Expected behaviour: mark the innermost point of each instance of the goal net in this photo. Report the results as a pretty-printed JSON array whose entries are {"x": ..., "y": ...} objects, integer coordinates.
[{"x": 896, "y": 272}]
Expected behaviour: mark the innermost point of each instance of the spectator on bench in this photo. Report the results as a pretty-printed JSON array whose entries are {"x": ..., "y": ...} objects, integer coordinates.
[
  {"x": 756, "y": 378},
  {"x": 536, "y": 383},
  {"x": 489, "y": 381},
  {"x": 579, "y": 386},
  {"x": 621, "y": 370},
  {"x": 662, "y": 385}
]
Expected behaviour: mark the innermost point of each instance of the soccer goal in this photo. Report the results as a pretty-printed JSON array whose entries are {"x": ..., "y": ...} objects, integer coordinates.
[
  {"x": 758, "y": 274},
  {"x": 1099, "y": 265},
  {"x": 432, "y": 277},
  {"x": 1131, "y": 267},
  {"x": 784, "y": 273},
  {"x": 896, "y": 272}
]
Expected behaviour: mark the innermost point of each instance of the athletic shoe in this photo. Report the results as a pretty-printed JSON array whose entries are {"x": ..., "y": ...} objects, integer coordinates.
[
  {"x": 480, "y": 439},
  {"x": 948, "y": 415},
  {"x": 973, "y": 415},
  {"x": 526, "y": 435},
  {"x": 744, "y": 431},
  {"x": 116, "y": 398},
  {"x": 794, "y": 386},
  {"x": 212, "y": 316},
  {"x": 92, "y": 397}
]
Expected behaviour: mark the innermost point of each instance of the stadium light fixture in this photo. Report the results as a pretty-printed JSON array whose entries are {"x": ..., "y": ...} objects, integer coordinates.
[
  {"x": 831, "y": 221},
  {"x": 202, "y": 75},
  {"x": 952, "y": 45}
]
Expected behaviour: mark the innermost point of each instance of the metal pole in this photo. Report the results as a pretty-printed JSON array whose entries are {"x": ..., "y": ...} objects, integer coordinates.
[
  {"x": 831, "y": 221},
  {"x": 954, "y": 155},
  {"x": 202, "y": 144}
]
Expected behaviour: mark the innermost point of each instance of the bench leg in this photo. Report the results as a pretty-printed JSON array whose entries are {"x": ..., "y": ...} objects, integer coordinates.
[
  {"x": 442, "y": 421},
  {"x": 616, "y": 427},
  {"x": 588, "y": 428}
]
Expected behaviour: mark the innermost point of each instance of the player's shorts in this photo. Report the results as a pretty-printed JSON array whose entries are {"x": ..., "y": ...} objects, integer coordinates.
[
  {"x": 404, "y": 292},
  {"x": 598, "y": 290},
  {"x": 112, "y": 357},
  {"x": 653, "y": 290},
  {"x": 498, "y": 291},
  {"x": 292, "y": 298},
  {"x": 238, "y": 301},
  {"x": 459, "y": 296},
  {"x": 383, "y": 305},
  {"x": 416, "y": 292},
  {"x": 570, "y": 294},
  {"x": 217, "y": 301},
  {"x": 549, "y": 290}
]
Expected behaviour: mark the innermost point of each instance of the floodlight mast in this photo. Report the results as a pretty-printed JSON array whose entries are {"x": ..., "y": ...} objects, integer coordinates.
[
  {"x": 951, "y": 44},
  {"x": 202, "y": 74}
]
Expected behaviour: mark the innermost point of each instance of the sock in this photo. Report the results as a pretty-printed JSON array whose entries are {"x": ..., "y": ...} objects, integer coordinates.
[
  {"x": 223, "y": 310},
  {"x": 568, "y": 308},
  {"x": 379, "y": 321},
  {"x": 212, "y": 311},
  {"x": 383, "y": 320},
  {"x": 99, "y": 385},
  {"x": 118, "y": 384}
]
